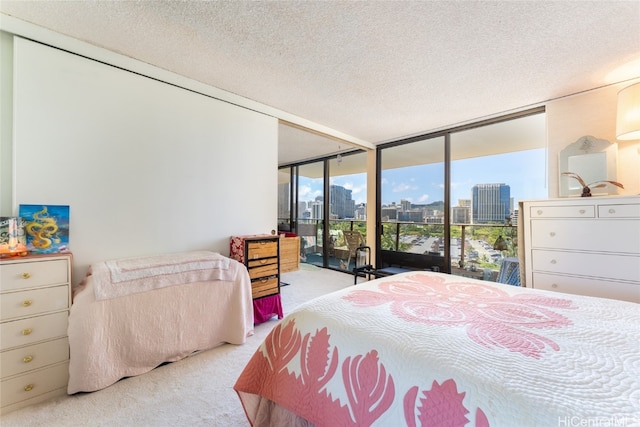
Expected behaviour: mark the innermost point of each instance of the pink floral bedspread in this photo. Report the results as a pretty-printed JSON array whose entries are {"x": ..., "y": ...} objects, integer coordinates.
[{"x": 430, "y": 349}]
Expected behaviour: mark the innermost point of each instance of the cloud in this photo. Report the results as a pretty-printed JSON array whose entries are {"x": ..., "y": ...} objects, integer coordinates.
[
  {"x": 402, "y": 187},
  {"x": 305, "y": 192}
]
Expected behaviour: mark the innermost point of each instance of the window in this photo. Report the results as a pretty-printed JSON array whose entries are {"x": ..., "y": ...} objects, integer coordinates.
[
  {"x": 435, "y": 214},
  {"x": 493, "y": 167}
]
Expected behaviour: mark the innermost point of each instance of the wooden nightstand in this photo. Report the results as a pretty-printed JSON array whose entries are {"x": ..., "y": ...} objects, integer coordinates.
[{"x": 261, "y": 256}]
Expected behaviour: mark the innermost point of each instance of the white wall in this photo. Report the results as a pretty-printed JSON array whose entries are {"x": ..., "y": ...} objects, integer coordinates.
[
  {"x": 591, "y": 113},
  {"x": 6, "y": 120},
  {"x": 146, "y": 167}
]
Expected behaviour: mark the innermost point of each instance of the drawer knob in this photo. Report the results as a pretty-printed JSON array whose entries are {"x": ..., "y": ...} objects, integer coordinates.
[
  {"x": 539, "y": 211},
  {"x": 27, "y": 331},
  {"x": 612, "y": 211},
  {"x": 553, "y": 261},
  {"x": 28, "y": 387},
  {"x": 552, "y": 234},
  {"x": 26, "y": 275},
  {"x": 554, "y": 285},
  {"x": 27, "y": 359},
  {"x": 27, "y": 303},
  {"x": 582, "y": 211}
]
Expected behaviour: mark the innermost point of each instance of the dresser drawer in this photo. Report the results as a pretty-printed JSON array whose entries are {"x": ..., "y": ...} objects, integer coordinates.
[
  {"x": 34, "y": 301},
  {"x": 262, "y": 249},
  {"x": 616, "y": 267},
  {"x": 35, "y": 356},
  {"x": 267, "y": 270},
  {"x": 264, "y": 287},
  {"x": 27, "y": 331},
  {"x": 34, "y": 383},
  {"x": 584, "y": 286},
  {"x": 619, "y": 211},
  {"x": 263, "y": 262},
  {"x": 15, "y": 276},
  {"x": 574, "y": 211},
  {"x": 598, "y": 235}
]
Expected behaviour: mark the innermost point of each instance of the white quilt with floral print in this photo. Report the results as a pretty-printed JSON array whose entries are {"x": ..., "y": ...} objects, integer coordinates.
[{"x": 431, "y": 349}]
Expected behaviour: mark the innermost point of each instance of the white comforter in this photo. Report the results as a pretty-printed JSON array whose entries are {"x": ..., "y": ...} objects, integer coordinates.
[
  {"x": 434, "y": 349},
  {"x": 129, "y": 335}
]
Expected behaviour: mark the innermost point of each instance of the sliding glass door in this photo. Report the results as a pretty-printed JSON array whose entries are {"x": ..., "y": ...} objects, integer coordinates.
[
  {"x": 493, "y": 168},
  {"x": 412, "y": 205},
  {"x": 346, "y": 222},
  {"x": 310, "y": 212},
  {"x": 324, "y": 202},
  {"x": 446, "y": 199}
]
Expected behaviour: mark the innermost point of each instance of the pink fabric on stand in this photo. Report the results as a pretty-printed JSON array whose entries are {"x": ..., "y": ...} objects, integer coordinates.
[{"x": 267, "y": 307}]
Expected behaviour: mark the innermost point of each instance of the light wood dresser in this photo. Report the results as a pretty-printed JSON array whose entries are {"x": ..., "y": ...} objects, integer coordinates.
[
  {"x": 35, "y": 296},
  {"x": 289, "y": 254},
  {"x": 587, "y": 245}
]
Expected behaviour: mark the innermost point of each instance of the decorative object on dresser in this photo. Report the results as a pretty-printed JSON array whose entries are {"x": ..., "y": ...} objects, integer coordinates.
[
  {"x": 594, "y": 160},
  {"x": 587, "y": 246},
  {"x": 47, "y": 228},
  {"x": 35, "y": 296},
  {"x": 260, "y": 253},
  {"x": 586, "y": 188},
  {"x": 13, "y": 241}
]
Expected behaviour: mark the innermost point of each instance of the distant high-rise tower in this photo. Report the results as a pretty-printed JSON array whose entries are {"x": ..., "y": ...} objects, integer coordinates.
[
  {"x": 341, "y": 203},
  {"x": 284, "y": 200},
  {"x": 317, "y": 209},
  {"x": 491, "y": 203}
]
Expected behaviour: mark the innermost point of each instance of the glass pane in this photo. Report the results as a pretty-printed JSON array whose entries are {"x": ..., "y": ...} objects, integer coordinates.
[
  {"x": 310, "y": 211},
  {"x": 284, "y": 199},
  {"x": 347, "y": 207},
  {"x": 493, "y": 167},
  {"x": 412, "y": 211}
]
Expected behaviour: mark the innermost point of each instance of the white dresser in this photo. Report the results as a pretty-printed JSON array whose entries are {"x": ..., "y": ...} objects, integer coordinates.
[
  {"x": 35, "y": 296},
  {"x": 586, "y": 245}
]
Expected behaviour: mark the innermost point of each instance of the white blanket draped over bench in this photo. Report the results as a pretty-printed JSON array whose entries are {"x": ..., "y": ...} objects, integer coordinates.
[
  {"x": 154, "y": 310},
  {"x": 123, "y": 277}
]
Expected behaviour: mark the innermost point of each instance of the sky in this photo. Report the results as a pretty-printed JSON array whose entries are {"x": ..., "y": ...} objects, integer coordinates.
[{"x": 524, "y": 171}]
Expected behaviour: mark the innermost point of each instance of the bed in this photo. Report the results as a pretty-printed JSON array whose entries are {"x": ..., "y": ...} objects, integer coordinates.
[
  {"x": 426, "y": 348},
  {"x": 131, "y": 315}
]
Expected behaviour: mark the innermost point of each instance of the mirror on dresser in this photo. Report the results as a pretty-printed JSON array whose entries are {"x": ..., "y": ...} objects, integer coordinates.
[{"x": 593, "y": 160}]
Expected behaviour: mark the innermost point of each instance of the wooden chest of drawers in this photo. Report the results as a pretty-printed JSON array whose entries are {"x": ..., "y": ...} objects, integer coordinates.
[
  {"x": 35, "y": 296},
  {"x": 261, "y": 255},
  {"x": 586, "y": 245},
  {"x": 289, "y": 254}
]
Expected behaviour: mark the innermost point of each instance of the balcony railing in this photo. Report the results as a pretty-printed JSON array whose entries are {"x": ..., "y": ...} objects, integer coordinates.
[{"x": 471, "y": 247}]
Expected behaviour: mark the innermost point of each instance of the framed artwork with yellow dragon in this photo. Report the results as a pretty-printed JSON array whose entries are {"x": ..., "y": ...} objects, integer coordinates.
[{"x": 46, "y": 227}]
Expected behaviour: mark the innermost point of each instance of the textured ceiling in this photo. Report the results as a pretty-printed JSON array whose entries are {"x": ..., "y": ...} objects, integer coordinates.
[{"x": 373, "y": 70}]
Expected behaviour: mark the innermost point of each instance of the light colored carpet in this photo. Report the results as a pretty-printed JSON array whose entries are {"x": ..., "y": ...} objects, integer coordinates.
[{"x": 196, "y": 391}]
